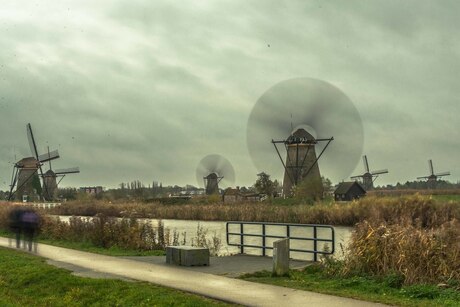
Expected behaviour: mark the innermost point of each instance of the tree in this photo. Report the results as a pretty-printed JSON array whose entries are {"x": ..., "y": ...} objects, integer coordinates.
[
  {"x": 264, "y": 185},
  {"x": 309, "y": 188}
]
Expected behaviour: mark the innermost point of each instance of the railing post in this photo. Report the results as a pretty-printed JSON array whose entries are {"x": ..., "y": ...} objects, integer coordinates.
[
  {"x": 315, "y": 244},
  {"x": 263, "y": 240},
  {"x": 241, "y": 238}
]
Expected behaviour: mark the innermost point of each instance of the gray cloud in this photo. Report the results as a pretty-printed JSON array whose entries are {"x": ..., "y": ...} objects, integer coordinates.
[{"x": 144, "y": 90}]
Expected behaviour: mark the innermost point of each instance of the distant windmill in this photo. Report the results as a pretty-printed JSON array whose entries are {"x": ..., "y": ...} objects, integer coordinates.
[
  {"x": 212, "y": 170},
  {"x": 301, "y": 160},
  {"x": 433, "y": 178},
  {"x": 369, "y": 177}
]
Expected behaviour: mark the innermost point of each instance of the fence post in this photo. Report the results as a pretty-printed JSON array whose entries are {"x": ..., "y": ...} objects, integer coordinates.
[
  {"x": 281, "y": 257},
  {"x": 241, "y": 238},
  {"x": 263, "y": 240},
  {"x": 315, "y": 244}
]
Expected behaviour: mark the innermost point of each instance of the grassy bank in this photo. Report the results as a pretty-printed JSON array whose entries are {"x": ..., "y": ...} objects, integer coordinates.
[
  {"x": 26, "y": 280},
  {"x": 424, "y": 208},
  {"x": 387, "y": 290}
]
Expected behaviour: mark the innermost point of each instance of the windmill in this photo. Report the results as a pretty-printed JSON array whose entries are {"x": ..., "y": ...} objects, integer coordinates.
[
  {"x": 369, "y": 177},
  {"x": 212, "y": 170},
  {"x": 50, "y": 179},
  {"x": 27, "y": 172},
  {"x": 301, "y": 161},
  {"x": 433, "y": 178},
  {"x": 317, "y": 108}
]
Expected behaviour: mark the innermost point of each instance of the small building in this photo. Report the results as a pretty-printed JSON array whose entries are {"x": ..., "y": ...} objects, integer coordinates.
[
  {"x": 235, "y": 195},
  {"x": 347, "y": 191},
  {"x": 92, "y": 190}
]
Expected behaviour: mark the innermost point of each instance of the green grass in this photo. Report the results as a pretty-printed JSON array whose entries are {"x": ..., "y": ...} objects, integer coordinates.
[
  {"x": 112, "y": 251},
  {"x": 444, "y": 198},
  {"x": 383, "y": 290},
  {"x": 26, "y": 280},
  {"x": 89, "y": 247}
]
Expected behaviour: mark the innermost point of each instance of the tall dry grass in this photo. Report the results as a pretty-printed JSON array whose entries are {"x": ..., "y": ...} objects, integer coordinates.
[
  {"x": 103, "y": 231},
  {"x": 419, "y": 255},
  {"x": 417, "y": 208}
]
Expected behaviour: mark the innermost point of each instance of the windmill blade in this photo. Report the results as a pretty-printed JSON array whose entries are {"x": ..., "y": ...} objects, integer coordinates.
[
  {"x": 215, "y": 163},
  {"x": 32, "y": 143},
  {"x": 71, "y": 170},
  {"x": 48, "y": 156},
  {"x": 356, "y": 177},
  {"x": 442, "y": 174},
  {"x": 383, "y": 171},
  {"x": 14, "y": 178},
  {"x": 423, "y": 177},
  {"x": 430, "y": 165},
  {"x": 366, "y": 164},
  {"x": 318, "y": 107}
]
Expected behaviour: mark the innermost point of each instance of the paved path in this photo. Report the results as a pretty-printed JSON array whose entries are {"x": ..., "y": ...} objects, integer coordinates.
[{"x": 213, "y": 286}]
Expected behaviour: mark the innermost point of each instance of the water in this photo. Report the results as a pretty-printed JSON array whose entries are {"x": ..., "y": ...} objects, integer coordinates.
[{"x": 218, "y": 230}]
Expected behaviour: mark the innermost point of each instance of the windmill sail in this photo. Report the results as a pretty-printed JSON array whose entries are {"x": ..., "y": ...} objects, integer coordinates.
[{"x": 71, "y": 170}]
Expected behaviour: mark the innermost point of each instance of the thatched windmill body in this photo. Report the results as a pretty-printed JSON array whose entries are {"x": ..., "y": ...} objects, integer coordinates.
[{"x": 301, "y": 164}]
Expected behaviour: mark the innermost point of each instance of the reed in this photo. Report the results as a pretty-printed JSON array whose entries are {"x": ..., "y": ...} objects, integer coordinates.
[
  {"x": 419, "y": 255},
  {"x": 420, "y": 209}
]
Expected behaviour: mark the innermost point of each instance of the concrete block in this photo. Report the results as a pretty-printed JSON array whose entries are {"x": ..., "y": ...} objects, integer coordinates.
[
  {"x": 281, "y": 257},
  {"x": 187, "y": 255},
  {"x": 172, "y": 255}
]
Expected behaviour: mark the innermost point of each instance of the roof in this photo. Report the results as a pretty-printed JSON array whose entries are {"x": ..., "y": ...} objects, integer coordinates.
[{"x": 344, "y": 187}]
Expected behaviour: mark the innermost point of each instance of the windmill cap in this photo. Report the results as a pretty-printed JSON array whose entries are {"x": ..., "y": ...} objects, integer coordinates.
[
  {"x": 50, "y": 173},
  {"x": 300, "y": 136},
  {"x": 29, "y": 162},
  {"x": 212, "y": 176}
]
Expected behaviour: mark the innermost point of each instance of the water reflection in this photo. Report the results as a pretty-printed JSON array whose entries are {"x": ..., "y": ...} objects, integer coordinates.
[{"x": 218, "y": 229}]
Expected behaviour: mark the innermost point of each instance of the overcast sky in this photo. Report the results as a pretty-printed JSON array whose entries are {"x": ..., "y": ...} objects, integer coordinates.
[{"x": 145, "y": 89}]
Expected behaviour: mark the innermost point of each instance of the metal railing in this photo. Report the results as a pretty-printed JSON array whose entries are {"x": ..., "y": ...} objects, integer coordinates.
[{"x": 287, "y": 228}]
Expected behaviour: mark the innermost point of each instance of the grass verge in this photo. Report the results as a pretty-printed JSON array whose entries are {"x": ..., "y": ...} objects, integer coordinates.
[
  {"x": 26, "y": 280},
  {"x": 385, "y": 290},
  {"x": 91, "y": 248}
]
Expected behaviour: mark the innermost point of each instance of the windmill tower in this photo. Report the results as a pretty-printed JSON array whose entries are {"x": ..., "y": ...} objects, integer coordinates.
[
  {"x": 432, "y": 179},
  {"x": 51, "y": 183},
  {"x": 26, "y": 177},
  {"x": 211, "y": 183},
  {"x": 369, "y": 177},
  {"x": 212, "y": 170},
  {"x": 301, "y": 162}
]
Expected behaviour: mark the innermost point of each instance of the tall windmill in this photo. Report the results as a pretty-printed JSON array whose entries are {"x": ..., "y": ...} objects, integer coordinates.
[
  {"x": 301, "y": 162},
  {"x": 212, "y": 170},
  {"x": 432, "y": 178},
  {"x": 317, "y": 109},
  {"x": 369, "y": 177}
]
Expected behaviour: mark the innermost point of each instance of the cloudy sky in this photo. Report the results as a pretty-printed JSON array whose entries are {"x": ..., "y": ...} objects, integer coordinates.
[{"x": 145, "y": 89}]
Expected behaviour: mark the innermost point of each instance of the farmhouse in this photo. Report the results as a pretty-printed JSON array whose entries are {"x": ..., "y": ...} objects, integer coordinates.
[{"x": 347, "y": 191}]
